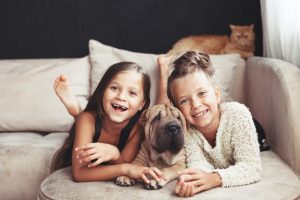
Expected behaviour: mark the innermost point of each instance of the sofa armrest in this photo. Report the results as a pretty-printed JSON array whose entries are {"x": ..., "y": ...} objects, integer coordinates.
[{"x": 273, "y": 96}]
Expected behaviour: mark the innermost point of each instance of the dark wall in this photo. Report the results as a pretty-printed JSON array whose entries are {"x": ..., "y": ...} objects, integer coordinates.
[{"x": 62, "y": 28}]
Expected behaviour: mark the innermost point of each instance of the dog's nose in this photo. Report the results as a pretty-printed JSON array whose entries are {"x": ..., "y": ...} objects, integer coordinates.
[{"x": 173, "y": 129}]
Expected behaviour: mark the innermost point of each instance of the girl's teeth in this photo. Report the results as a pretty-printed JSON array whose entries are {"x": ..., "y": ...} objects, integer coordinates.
[{"x": 119, "y": 106}]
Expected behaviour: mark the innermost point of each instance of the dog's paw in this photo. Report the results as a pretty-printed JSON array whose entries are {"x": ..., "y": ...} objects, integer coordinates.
[
  {"x": 124, "y": 181},
  {"x": 155, "y": 185}
]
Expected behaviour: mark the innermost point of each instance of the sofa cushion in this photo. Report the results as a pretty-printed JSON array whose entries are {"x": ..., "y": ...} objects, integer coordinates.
[
  {"x": 25, "y": 159},
  {"x": 279, "y": 182},
  {"x": 28, "y": 101},
  {"x": 102, "y": 56}
]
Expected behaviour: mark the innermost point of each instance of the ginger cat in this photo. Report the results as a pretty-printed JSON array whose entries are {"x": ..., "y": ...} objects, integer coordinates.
[{"x": 241, "y": 41}]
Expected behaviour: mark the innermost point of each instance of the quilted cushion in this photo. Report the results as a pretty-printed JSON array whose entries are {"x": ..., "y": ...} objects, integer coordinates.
[
  {"x": 102, "y": 56},
  {"x": 28, "y": 101}
]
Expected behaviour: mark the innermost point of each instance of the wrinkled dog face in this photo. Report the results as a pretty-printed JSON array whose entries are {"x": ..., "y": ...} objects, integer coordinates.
[{"x": 164, "y": 128}]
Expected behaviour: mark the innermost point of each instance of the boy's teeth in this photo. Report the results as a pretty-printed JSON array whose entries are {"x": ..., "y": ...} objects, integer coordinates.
[{"x": 200, "y": 114}]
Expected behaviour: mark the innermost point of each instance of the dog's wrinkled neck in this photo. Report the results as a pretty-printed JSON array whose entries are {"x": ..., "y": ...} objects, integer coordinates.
[{"x": 166, "y": 157}]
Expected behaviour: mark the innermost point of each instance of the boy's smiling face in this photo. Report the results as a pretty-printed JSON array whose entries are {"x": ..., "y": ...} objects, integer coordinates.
[{"x": 198, "y": 100}]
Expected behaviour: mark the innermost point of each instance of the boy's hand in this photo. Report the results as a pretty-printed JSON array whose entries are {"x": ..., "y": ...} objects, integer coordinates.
[{"x": 192, "y": 181}]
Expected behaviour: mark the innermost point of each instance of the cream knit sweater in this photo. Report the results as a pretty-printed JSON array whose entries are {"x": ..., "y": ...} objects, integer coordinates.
[{"x": 236, "y": 155}]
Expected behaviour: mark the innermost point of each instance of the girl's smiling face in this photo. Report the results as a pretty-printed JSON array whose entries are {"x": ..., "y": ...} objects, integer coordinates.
[
  {"x": 198, "y": 100},
  {"x": 123, "y": 97}
]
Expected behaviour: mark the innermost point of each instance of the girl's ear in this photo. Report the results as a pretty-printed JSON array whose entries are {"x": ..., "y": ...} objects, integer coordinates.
[
  {"x": 141, "y": 106},
  {"x": 218, "y": 94},
  {"x": 143, "y": 118}
]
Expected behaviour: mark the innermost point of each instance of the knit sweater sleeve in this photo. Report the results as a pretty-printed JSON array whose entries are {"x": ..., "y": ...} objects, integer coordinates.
[
  {"x": 195, "y": 157},
  {"x": 247, "y": 164}
]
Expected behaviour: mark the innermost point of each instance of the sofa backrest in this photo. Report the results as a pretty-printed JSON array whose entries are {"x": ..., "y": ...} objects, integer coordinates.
[{"x": 28, "y": 101}]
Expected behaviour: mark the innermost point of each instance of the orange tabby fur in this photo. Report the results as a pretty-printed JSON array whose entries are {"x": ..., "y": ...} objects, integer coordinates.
[{"x": 240, "y": 41}]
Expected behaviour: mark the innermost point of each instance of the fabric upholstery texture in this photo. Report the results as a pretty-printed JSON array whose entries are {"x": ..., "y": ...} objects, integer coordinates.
[
  {"x": 28, "y": 101},
  {"x": 61, "y": 186},
  {"x": 275, "y": 103},
  {"x": 25, "y": 159},
  {"x": 270, "y": 88}
]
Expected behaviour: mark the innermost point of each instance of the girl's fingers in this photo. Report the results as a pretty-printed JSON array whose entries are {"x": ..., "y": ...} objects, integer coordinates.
[
  {"x": 145, "y": 179},
  {"x": 95, "y": 156},
  {"x": 154, "y": 175},
  {"x": 87, "y": 153},
  {"x": 85, "y": 147},
  {"x": 157, "y": 171},
  {"x": 97, "y": 162}
]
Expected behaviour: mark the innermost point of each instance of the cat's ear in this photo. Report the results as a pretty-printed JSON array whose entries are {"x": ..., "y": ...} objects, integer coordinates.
[
  {"x": 251, "y": 27},
  {"x": 231, "y": 27}
]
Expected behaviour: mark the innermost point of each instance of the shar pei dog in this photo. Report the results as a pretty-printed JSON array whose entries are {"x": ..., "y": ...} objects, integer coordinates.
[{"x": 164, "y": 128}]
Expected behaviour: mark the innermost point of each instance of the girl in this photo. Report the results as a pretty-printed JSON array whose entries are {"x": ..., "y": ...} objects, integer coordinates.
[
  {"x": 221, "y": 147},
  {"x": 105, "y": 137}
]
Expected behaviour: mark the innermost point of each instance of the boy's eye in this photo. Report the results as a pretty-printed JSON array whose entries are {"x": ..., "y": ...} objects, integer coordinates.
[
  {"x": 202, "y": 93},
  {"x": 183, "y": 101}
]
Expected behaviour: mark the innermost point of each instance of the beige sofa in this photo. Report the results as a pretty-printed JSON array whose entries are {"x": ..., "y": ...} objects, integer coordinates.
[{"x": 34, "y": 124}]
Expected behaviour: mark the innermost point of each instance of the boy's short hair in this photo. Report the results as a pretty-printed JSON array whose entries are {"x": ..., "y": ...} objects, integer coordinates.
[{"x": 188, "y": 63}]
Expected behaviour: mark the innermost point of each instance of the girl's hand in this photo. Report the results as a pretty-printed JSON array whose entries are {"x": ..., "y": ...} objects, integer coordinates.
[
  {"x": 192, "y": 181},
  {"x": 101, "y": 152},
  {"x": 140, "y": 172}
]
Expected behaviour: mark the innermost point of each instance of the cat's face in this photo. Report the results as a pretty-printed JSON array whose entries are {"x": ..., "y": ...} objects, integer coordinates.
[{"x": 243, "y": 36}]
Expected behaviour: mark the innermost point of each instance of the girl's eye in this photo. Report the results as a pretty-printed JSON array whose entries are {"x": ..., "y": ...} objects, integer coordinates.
[
  {"x": 132, "y": 93},
  {"x": 114, "y": 88}
]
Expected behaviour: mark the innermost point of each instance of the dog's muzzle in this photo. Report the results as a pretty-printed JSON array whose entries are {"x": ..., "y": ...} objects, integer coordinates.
[
  {"x": 173, "y": 129},
  {"x": 169, "y": 137}
]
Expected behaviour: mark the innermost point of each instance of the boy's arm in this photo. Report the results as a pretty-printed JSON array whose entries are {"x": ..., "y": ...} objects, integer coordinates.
[{"x": 247, "y": 166}]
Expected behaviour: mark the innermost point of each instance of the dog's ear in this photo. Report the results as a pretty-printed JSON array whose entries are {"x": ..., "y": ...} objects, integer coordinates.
[{"x": 143, "y": 118}]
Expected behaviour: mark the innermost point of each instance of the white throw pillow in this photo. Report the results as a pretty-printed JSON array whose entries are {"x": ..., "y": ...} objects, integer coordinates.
[
  {"x": 28, "y": 101},
  {"x": 102, "y": 56},
  {"x": 226, "y": 65}
]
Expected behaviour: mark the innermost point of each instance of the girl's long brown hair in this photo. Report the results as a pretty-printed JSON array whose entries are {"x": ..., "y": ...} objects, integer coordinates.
[{"x": 63, "y": 157}]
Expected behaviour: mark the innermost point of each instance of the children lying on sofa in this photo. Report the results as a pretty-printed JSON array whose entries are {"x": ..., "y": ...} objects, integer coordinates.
[
  {"x": 222, "y": 147},
  {"x": 105, "y": 137}
]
